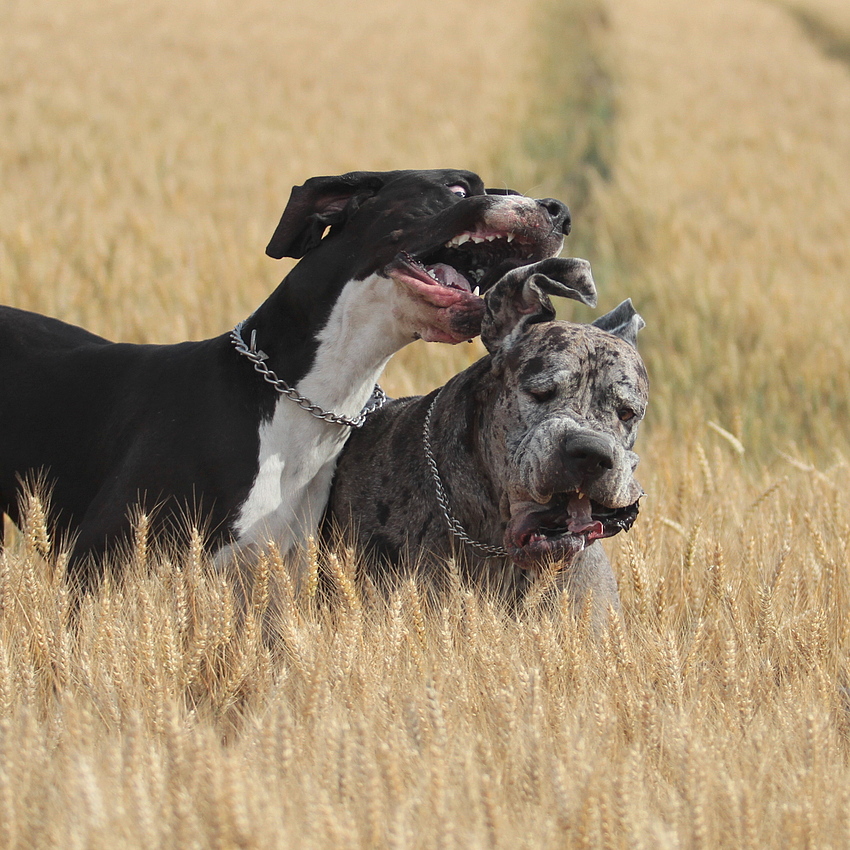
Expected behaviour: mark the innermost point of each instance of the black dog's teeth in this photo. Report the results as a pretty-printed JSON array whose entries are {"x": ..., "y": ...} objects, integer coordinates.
[
  {"x": 475, "y": 260},
  {"x": 480, "y": 261}
]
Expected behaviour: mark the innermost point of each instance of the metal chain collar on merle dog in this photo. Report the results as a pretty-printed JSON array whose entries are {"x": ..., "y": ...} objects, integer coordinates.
[
  {"x": 257, "y": 357},
  {"x": 454, "y": 526}
]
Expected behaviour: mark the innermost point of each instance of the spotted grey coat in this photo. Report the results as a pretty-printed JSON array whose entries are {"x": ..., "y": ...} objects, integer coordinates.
[{"x": 532, "y": 447}]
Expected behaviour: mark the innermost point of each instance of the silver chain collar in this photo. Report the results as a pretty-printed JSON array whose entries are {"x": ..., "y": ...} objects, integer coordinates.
[
  {"x": 257, "y": 358},
  {"x": 454, "y": 525}
]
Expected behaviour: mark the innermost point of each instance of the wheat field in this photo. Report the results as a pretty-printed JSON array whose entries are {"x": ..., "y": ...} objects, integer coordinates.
[{"x": 147, "y": 152}]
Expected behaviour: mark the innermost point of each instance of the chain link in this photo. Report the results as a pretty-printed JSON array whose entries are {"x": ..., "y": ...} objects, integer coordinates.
[
  {"x": 454, "y": 526},
  {"x": 257, "y": 358}
]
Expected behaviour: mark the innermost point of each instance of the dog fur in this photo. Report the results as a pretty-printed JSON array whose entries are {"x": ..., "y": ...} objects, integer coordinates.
[
  {"x": 191, "y": 430},
  {"x": 539, "y": 433}
]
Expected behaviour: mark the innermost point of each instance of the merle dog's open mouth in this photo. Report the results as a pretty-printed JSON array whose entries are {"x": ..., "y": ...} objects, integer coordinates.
[{"x": 563, "y": 527}]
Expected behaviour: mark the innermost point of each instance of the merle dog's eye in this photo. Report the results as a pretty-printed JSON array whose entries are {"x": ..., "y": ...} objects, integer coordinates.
[
  {"x": 625, "y": 414},
  {"x": 460, "y": 191},
  {"x": 541, "y": 395}
]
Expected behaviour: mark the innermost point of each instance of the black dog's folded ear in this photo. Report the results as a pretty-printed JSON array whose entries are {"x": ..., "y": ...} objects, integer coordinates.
[
  {"x": 318, "y": 204},
  {"x": 623, "y": 321},
  {"x": 522, "y": 295}
]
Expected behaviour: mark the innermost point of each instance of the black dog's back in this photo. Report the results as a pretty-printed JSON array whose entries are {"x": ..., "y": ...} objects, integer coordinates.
[
  {"x": 36, "y": 353},
  {"x": 68, "y": 421}
]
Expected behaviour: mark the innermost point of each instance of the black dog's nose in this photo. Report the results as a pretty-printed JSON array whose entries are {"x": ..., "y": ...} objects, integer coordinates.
[
  {"x": 559, "y": 212},
  {"x": 587, "y": 456}
]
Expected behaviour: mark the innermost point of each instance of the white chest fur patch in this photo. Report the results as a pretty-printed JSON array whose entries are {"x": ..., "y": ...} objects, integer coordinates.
[
  {"x": 296, "y": 462},
  {"x": 298, "y": 452}
]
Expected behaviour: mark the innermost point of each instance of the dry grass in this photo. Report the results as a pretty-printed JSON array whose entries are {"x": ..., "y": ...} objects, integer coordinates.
[
  {"x": 828, "y": 22},
  {"x": 716, "y": 717},
  {"x": 146, "y": 155},
  {"x": 149, "y": 149},
  {"x": 728, "y": 218}
]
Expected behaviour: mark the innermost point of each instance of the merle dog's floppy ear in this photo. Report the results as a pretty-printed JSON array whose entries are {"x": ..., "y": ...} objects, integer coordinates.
[
  {"x": 522, "y": 295},
  {"x": 319, "y": 203},
  {"x": 623, "y": 321}
]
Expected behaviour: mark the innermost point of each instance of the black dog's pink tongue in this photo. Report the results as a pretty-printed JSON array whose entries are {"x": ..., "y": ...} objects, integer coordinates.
[
  {"x": 449, "y": 276},
  {"x": 581, "y": 520}
]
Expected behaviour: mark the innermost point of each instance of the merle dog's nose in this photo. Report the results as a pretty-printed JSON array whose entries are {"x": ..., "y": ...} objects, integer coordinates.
[
  {"x": 587, "y": 456},
  {"x": 559, "y": 212}
]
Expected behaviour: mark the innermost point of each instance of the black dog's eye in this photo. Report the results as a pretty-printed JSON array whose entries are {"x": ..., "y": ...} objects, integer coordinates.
[
  {"x": 625, "y": 414},
  {"x": 541, "y": 395},
  {"x": 460, "y": 191}
]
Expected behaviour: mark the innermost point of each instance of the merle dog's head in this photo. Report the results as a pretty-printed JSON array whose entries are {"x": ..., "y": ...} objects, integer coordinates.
[
  {"x": 439, "y": 236},
  {"x": 564, "y": 424}
]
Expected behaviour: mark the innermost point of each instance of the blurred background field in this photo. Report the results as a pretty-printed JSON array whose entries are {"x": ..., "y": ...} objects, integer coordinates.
[{"x": 147, "y": 151}]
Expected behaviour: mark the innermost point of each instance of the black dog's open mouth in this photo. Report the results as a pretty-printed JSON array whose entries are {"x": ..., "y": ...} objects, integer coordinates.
[
  {"x": 470, "y": 262},
  {"x": 476, "y": 260},
  {"x": 563, "y": 528},
  {"x": 451, "y": 271}
]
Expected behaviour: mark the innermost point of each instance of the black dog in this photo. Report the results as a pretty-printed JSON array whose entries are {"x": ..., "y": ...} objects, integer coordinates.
[{"x": 388, "y": 257}]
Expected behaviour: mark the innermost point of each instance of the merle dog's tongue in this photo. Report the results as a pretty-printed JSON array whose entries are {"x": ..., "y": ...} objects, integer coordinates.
[
  {"x": 449, "y": 276},
  {"x": 581, "y": 521}
]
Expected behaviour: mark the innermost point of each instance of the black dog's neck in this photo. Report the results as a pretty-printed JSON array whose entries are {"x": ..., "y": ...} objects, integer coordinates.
[
  {"x": 286, "y": 327},
  {"x": 324, "y": 337}
]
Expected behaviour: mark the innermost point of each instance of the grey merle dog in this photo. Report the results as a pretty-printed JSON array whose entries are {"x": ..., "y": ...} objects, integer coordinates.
[
  {"x": 243, "y": 430},
  {"x": 523, "y": 461}
]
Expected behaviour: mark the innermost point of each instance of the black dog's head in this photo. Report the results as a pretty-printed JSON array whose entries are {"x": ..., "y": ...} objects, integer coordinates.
[{"x": 439, "y": 235}]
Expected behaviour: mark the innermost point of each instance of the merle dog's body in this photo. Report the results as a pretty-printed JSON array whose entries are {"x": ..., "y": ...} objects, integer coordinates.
[
  {"x": 191, "y": 430},
  {"x": 532, "y": 445}
]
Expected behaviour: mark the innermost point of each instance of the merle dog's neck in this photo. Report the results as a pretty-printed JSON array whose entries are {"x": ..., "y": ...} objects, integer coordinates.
[{"x": 460, "y": 433}]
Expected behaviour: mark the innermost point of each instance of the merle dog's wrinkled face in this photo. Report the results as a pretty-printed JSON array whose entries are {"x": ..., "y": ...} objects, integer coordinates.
[
  {"x": 562, "y": 430},
  {"x": 439, "y": 235}
]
